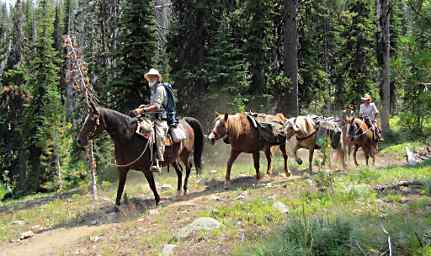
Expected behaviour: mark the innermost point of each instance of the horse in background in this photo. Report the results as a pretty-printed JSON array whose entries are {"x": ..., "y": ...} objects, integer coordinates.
[
  {"x": 360, "y": 136},
  {"x": 238, "y": 131},
  {"x": 303, "y": 131}
]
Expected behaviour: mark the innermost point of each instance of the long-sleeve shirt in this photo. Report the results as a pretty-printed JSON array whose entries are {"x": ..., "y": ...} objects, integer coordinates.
[{"x": 369, "y": 111}]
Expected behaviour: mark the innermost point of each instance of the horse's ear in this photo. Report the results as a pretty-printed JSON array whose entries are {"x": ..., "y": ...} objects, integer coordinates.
[
  {"x": 226, "y": 115},
  {"x": 217, "y": 114}
]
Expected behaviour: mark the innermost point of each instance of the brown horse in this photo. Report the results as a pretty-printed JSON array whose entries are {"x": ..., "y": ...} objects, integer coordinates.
[
  {"x": 360, "y": 136},
  {"x": 243, "y": 137},
  {"x": 133, "y": 151}
]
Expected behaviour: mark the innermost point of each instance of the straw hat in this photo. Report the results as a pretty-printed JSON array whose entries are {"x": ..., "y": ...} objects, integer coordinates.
[
  {"x": 153, "y": 72},
  {"x": 366, "y": 97}
]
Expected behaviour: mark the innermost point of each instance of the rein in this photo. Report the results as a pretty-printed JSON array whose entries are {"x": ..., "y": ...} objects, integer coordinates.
[
  {"x": 364, "y": 132},
  {"x": 137, "y": 159}
]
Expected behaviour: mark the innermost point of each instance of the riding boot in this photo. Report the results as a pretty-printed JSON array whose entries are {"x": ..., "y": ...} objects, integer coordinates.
[
  {"x": 379, "y": 135},
  {"x": 156, "y": 167}
]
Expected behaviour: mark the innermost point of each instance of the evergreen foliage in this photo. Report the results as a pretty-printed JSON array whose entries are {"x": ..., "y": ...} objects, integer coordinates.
[
  {"x": 45, "y": 110},
  {"x": 135, "y": 54}
]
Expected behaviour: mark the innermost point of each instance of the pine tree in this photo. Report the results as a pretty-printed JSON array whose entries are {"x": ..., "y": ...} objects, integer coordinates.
[
  {"x": 135, "y": 55},
  {"x": 356, "y": 69},
  {"x": 226, "y": 67},
  {"x": 193, "y": 28},
  {"x": 45, "y": 109},
  {"x": 259, "y": 39},
  {"x": 316, "y": 55},
  {"x": 15, "y": 55},
  {"x": 4, "y": 36},
  {"x": 58, "y": 28}
]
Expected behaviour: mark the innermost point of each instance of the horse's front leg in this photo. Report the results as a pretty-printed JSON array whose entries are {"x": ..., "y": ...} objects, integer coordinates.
[
  {"x": 188, "y": 164},
  {"x": 121, "y": 183},
  {"x": 295, "y": 154},
  {"x": 310, "y": 160},
  {"x": 355, "y": 150},
  {"x": 233, "y": 155},
  {"x": 178, "y": 170},
  {"x": 150, "y": 178},
  {"x": 342, "y": 156},
  {"x": 268, "y": 155},
  {"x": 256, "y": 158},
  {"x": 285, "y": 157},
  {"x": 367, "y": 153}
]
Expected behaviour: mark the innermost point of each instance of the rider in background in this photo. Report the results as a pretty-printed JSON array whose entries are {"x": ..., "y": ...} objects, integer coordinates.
[
  {"x": 368, "y": 112},
  {"x": 157, "y": 102}
]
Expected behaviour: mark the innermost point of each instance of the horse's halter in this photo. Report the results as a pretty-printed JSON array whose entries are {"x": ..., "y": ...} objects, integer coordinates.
[
  {"x": 92, "y": 133},
  {"x": 217, "y": 136}
]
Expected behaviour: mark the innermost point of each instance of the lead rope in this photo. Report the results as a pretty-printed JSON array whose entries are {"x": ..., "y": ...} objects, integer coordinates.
[{"x": 139, "y": 157}]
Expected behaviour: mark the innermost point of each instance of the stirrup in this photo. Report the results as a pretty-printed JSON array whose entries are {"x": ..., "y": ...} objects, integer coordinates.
[{"x": 156, "y": 167}]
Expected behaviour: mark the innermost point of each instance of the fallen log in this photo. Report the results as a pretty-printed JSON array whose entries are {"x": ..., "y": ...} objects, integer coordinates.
[{"x": 402, "y": 183}]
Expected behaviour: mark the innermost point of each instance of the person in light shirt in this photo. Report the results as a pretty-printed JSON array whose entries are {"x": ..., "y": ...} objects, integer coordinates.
[{"x": 369, "y": 112}]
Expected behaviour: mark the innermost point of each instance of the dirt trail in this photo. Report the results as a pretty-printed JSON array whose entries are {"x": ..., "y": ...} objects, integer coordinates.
[{"x": 50, "y": 242}]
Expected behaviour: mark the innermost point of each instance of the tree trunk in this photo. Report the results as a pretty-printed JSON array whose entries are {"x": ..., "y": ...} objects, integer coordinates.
[
  {"x": 33, "y": 180},
  {"x": 383, "y": 15},
  {"x": 287, "y": 101},
  {"x": 92, "y": 165}
]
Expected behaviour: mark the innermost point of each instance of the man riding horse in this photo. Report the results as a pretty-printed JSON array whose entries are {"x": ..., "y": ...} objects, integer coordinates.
[
  {"x": 368, "y": 112},
  {"x": 158, "y": 103}
]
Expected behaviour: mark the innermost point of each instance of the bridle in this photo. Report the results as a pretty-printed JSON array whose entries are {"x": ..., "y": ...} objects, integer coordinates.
[
  {"x": 98, "y": 123},
  {"x": 358, "y": 131},
  {"x": 217, "y": 136}
]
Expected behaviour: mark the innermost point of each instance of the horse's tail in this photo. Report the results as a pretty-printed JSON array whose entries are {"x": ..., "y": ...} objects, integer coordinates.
[{"x": 198, "y": 146}]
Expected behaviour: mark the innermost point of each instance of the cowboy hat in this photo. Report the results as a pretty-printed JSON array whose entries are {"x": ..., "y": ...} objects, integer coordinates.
[
  {"x": 366, "y": 97},
  {"x": 153, "y": 72}
]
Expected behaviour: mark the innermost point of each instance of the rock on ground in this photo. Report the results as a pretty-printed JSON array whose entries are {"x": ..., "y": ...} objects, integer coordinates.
[
  {"x": 168, "y": 249},
  {"x": 204, "y": 223}
]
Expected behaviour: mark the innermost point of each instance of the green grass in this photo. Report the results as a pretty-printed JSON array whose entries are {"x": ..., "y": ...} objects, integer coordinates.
[
  {"x": 56, "y": 213},
  {"x": 344, "y": 211},
  {"x": 401, "y": 148}
]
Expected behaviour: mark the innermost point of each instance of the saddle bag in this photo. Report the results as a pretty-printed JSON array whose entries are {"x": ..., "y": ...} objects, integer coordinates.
[
  {"x": 269, "y": 132},
  {"x": 145, "y": 126},
  {"x": 177, "y": 134}
]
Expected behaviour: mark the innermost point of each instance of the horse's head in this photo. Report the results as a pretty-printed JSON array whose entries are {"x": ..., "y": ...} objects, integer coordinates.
[
  {"x": 352, "y": 127},
  {"x": 220, "y": 128},
  {"x": 93, "y": 125}
]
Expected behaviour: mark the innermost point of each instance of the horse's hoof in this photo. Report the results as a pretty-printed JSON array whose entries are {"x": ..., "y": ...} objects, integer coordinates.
[
  {"x": 116, "y": 208},
  {"x": 299, "y": 161},
  {"x": 287, "y": 174},
  {"x": 226, "y": 185}
]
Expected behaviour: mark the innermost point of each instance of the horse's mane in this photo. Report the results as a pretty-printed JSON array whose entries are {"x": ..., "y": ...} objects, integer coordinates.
[
  {"x": 280, "y": 117},
  {"x": 119, "y": 121},
  {"x": 361, "y": 124},
  {"x": 236, "y": 124}
]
